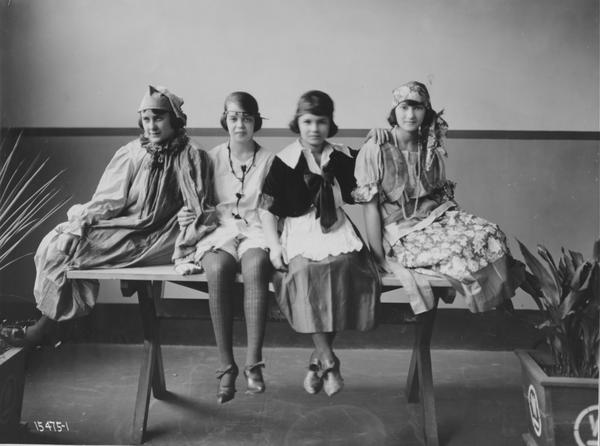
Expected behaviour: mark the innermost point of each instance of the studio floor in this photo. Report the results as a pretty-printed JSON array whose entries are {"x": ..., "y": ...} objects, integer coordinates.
[{"x": 92, "y": 387}]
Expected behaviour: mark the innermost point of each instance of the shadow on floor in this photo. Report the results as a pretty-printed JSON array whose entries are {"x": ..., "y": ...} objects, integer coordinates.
[{"x": 92, "y": 387}]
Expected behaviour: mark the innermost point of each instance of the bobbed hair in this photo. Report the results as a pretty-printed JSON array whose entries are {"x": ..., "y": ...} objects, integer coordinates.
[
  {"x": 247, "y": 103},
  {"x": 176, "y": 122},
  {"x": 317, "y": 103}
]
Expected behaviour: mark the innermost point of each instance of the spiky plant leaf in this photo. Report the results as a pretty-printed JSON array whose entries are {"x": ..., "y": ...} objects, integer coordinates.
[
  {"x": 543, "y": 325},
  {"x": 571, "y": 302},
  {"x": 568, "y": 261},
  {"x": 582, "y": 276},
  {"x": 571, "y": 328},
  {"x": 577, "y": 258},
  {"x": 545, "y": 254},
  {"x": 548, "y": 285},
  {"x": 532, "y": 287},
  {"x": 23, "y": 205}
]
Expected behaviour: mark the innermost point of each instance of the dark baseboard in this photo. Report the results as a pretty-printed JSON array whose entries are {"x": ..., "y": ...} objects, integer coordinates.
[
  {"x": 342, "y": 133},
  {"x": 454, "y": 329}
]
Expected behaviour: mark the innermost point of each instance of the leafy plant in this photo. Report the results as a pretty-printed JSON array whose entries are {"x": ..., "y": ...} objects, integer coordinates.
[
  {"x": 568, "y": 297},
  {"x": 24, "y": 205}
]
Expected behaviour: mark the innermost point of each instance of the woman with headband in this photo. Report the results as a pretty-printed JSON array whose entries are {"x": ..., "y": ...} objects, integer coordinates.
[
  {"x": 131, "y": 219},
  {"x": 238, "y": 243},
  {"x": 414, "y": 227}
]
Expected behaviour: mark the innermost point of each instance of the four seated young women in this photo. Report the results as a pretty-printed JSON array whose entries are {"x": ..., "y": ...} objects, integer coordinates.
[{"x": 231, "y": 202}]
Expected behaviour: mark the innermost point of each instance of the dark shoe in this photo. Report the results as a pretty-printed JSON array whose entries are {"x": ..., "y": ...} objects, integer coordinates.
[
  {"x": 226, "y": 392},
  {"x": 14, "y": 336},
  {"x": 312, "y": 381},
  {"x": 28, "y": 334},
  {"x": 332, "y": 378},
  {"x": 254, "y": 378}
]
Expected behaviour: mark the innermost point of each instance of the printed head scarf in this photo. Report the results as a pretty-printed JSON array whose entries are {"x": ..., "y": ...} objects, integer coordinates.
[
  {"x": 411, "y": 91},
  {"x": 159, "y": 98},
  {"x": 434, "y": 134}
]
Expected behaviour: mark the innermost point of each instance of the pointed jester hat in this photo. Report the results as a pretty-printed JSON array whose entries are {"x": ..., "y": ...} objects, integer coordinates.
[{"x": 159, "y": 98}]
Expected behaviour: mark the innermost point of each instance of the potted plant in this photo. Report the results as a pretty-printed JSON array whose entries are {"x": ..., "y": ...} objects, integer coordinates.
[
  {"x": 26, "y": 202},
  {"x": 560, "y": 384}
]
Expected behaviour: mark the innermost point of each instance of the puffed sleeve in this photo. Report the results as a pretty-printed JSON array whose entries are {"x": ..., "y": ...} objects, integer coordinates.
[
  {"x": 272, "y": 196},
  {"x": 367, "y": 172},
  {"x": 195, "y": 173},
  {"x": 110, "y": 197}
]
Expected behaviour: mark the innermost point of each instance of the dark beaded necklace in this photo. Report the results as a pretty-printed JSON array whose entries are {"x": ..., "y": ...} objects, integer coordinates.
[{"x": 245, "y": 169}]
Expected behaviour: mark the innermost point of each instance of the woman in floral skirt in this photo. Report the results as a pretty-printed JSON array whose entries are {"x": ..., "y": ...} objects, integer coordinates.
[{"x": 414, "y": 227}]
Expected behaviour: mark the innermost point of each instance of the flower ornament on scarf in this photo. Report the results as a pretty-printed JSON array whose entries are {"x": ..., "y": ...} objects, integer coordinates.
[
  {"x": 434, "y": 136},
  {"x": 159, "y": 152},
  {"x": 436, "y": 139},
  {"x": 411, "y": 91}
]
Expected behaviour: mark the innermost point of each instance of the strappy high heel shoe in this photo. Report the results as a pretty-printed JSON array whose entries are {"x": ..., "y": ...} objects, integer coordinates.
[
  {"x": 312, "y": 381},
  {"x": 226, "y": 392},
  {"x": 254, "y": 378},
  {"x": 332, "y": 378}
]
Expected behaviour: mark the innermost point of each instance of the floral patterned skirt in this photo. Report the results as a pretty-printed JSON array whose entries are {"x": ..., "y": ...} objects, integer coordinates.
[
  {"x": 468, "y": 250},
  {"x": 457, "y": 244}
]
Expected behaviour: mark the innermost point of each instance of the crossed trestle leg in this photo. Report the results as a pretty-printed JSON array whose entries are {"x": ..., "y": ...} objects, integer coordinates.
[
  {"x": 152, "y": 375},
  {"x": 419, "y": 385}
]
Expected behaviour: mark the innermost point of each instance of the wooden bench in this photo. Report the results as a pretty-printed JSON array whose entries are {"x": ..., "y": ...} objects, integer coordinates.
[{"x": 148, "y": 283}]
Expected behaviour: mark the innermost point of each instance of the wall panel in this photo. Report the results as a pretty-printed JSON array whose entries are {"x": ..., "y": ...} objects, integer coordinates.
[{"x": 494, "y": 64}]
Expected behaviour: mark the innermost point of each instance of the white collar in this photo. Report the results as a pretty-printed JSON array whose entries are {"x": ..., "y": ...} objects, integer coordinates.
[{"x": 291, "y": 154}]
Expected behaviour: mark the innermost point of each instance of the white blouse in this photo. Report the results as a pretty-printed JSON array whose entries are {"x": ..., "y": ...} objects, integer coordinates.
[{"x": 236, "y": 235}]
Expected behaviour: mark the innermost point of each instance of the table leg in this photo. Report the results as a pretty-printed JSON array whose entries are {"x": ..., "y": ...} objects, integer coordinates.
[
  {"x": 159, "y": 387},
  {"x": 419, "y": 385},
  {"x": 151, "y": 370}
]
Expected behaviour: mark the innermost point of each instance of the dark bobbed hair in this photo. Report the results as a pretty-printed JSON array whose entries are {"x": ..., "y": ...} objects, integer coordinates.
[
  {"x": 176, "y": 122},
  {"x": 248, "y": 103},
  {"x": 318, "y": 103},
  {"x": 429, "y": 115}
]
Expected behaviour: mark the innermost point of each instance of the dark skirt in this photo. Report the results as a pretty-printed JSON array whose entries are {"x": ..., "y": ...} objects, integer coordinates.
[{"x": 337, "y": 293}]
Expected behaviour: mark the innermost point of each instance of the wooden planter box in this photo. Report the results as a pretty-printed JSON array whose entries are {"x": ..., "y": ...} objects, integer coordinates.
[
  {"x": 562, "y": 411},
  {"x": 12, "y": 382}
]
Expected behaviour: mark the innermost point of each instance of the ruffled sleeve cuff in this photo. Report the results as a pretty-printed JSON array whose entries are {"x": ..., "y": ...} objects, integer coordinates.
[
  {"x": 78, "y": 220},
  {"x": 365, "y": 193},
  {"x": 367, "y": 172},
  {"x": 71, "y": 227}
]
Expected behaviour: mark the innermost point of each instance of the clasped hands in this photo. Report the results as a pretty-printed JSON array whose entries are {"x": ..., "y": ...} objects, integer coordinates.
[{"x": 185, "y": 217}]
